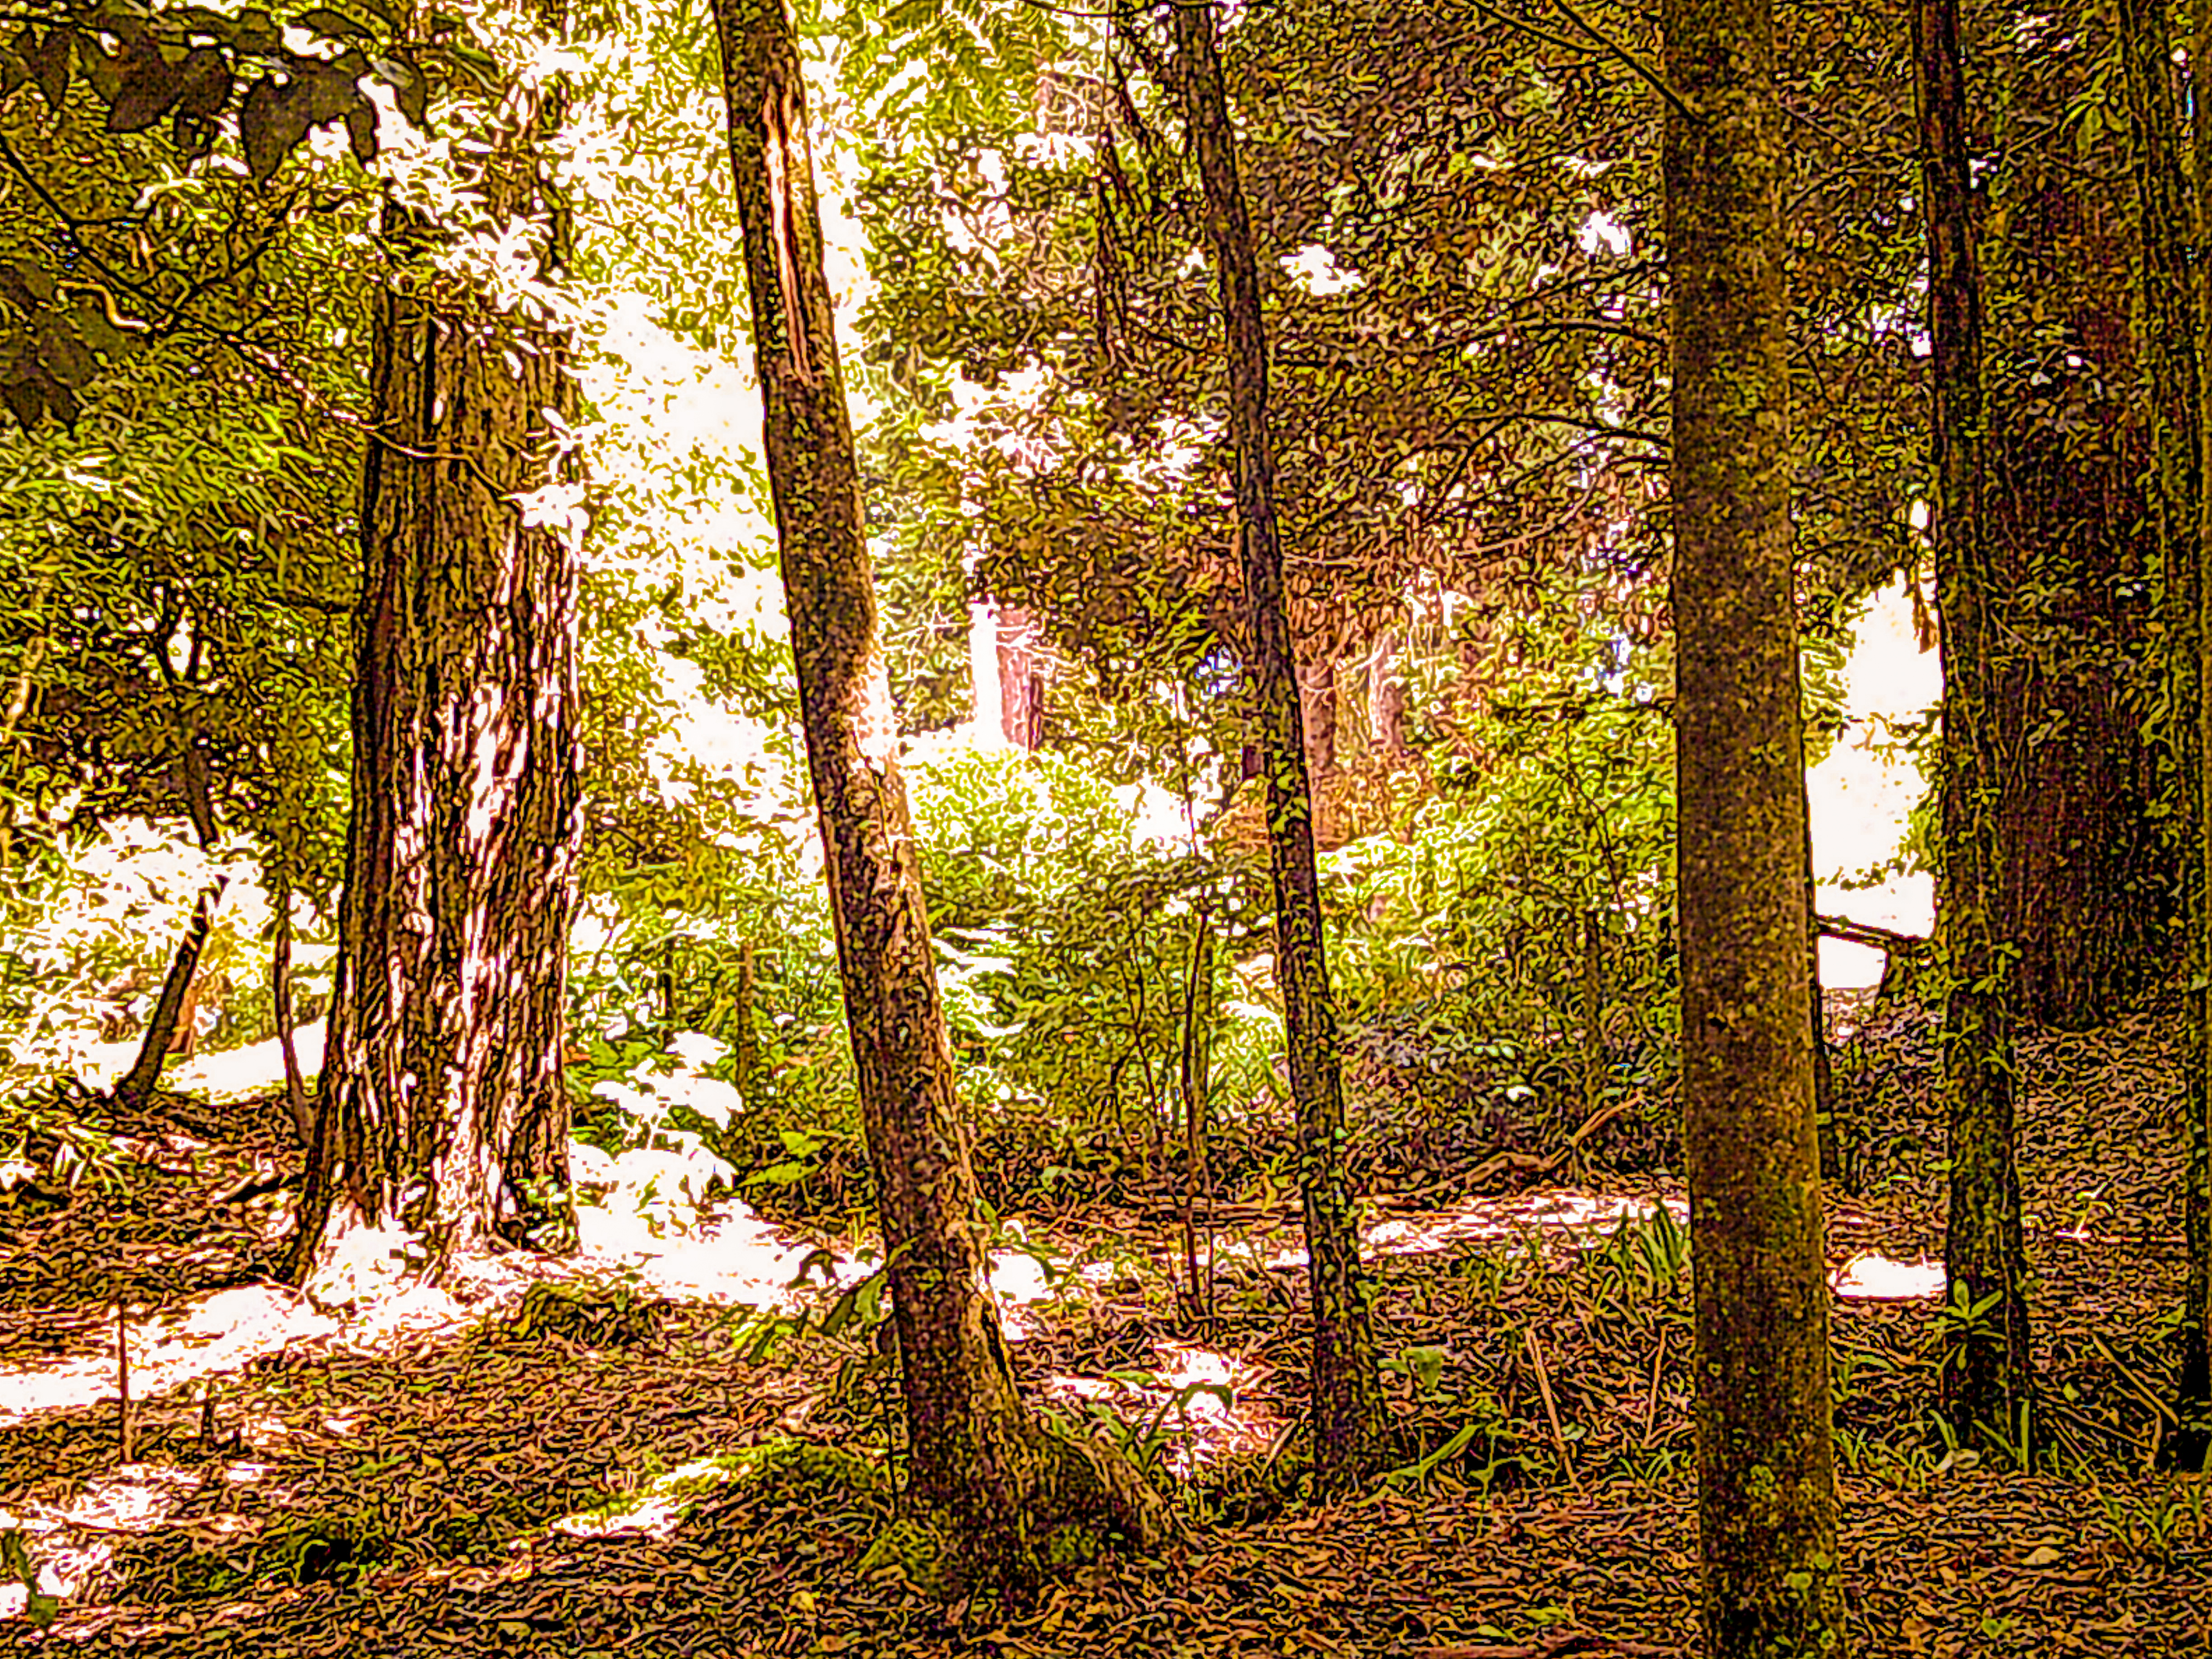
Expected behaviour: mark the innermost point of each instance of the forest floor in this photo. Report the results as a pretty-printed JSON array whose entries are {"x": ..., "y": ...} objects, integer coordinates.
[{"x": 490, "y": 1472}]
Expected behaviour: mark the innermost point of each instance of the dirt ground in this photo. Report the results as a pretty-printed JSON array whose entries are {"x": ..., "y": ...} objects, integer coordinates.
[{"x": 633, "y": 1467}]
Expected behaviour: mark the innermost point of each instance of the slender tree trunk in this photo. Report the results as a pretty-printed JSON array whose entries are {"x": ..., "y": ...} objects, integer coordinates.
[
  {"x": 174, "y": 1007},
  {"x": 1351, "y": 1421},
  {"x": 1013, "y": 1494},
  {"x": 442, "y": 1115},
  {"x": 2167, "y": 298},
  {"x": 1987, "y": 1387},
  {"x": 280, "y": 998},
  {"x": 2194, "y": 1446},
  {"x": 1767, "y": 1490}
]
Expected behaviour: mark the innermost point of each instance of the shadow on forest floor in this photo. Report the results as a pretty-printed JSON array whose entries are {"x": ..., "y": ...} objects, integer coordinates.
[{"x": 511, "y": 1469}]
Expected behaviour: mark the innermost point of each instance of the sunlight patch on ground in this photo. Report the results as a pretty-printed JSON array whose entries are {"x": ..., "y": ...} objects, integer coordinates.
[
  {"x": 656, "y": 1510},
  {"x": 1503, "y": 1220},
  {"x": 1180, "y": 1399},
  {"x": 1869, "y": 1277},
  {"x": 219, "y": 1074},
  {"x": 134, "y": 1499},
  {"x": 169, "y": 1352}
]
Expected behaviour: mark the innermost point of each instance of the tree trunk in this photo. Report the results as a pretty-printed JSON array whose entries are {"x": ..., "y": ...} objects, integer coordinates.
[
  {"x": 1766, "y": 1492},
  {"x": 1350, "y": 1423},
  {"x": 280, "y": 998},
  {"x": 443, "y": 1113},
  {"x": 174, "y": 1009},
  {"x": 2172, "y": 329},
  {"x": 1988, "y": 1385},
  {"x": 2087, "y": 874},
  {"x": 169, "y": 1029},
  {"x": 1013, "y": 1494}
]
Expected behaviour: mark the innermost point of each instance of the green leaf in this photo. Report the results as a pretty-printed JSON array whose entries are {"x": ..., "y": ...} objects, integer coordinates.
[
  {"x": 47, "y": 58},
  {"x": 270, "y": 123},
  {"x": 147, "y": 85}
]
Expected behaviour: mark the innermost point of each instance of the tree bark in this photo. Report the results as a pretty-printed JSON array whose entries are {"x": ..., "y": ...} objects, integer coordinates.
[
  {"x": 1012, "y": 1493},
  {"x": 443, "y": 1113},
  {"x": 280, "y": 998},
  {"x": 2087, "y": 875},
  {"x": 175, "y": 1006},
  {"x": 2169, "y": 245},
  {"x": 1988, "y": 1385},
  {"x": 1351, "y": 1422},
  {"x": 1766, "y": 1492}
]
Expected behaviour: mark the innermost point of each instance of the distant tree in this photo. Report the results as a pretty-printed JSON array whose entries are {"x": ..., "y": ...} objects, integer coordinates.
[
  {"x": 442, "y": 1112},
  {"x": 1766, "y": 1492},
  {"x": 2173, "y": 293},
  {"x": 1013, "y": 1492},
  {"x": 1351, "y": 1424},
  {"x": 1988, "y": 1380}
]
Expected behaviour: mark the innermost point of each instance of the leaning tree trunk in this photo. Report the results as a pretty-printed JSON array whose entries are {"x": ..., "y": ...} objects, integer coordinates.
[
  {"x": 2168, "y": 298},
  {"x": 1988, "y": 1386},
  {"x": 442, "y": 1116},
  {"x": 174, "y": 1006},
  {"x": 1013, "y": 1494},
  {"x": 1767, "y": 1488},
  {"x": 1350, "y": 1423}
]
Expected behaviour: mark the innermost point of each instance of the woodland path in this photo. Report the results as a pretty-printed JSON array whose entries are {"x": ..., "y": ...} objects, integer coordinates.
[{"x": 473, "y": 1484}]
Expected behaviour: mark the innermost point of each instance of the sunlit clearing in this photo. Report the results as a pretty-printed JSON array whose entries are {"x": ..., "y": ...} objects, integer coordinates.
[
  {"x": 1580, "y": 1220},
  {"x": 1868, "y": 1277},
  {"x": 731, "y": 1256},
  {"x": 1863, "y": 790}
]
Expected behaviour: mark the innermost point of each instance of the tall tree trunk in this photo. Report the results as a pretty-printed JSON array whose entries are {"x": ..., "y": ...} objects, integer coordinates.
[
  {"x": 443, "y": 1113},
  {"x": 1767, "y": 1490},
  {"x": 1013, "y": 1494},
  {"x": 2087, "y": 873},
  {"x": 2171, "y": 335},
  {"x": 1987, "y": 1387},
  {"x": 1351, "y": 1422}
]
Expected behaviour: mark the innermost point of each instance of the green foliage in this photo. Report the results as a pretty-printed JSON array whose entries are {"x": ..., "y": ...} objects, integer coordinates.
[
  {"x": 1519, "y": 947},
  {"x": 1064, "y": 946}
]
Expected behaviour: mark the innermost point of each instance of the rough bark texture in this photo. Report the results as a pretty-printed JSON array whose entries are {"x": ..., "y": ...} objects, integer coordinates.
[
  {"x": 2088, "y": 874},
  {"x": 443, "y": 1113},
  {"x": 1766, "y": 1492},
  {"x": 978, "y": 1459},
  {"x": 1351, "y": 1424},
  {"x": 2172, "y": 336},
  {"x": 1988, "y": 1380}
]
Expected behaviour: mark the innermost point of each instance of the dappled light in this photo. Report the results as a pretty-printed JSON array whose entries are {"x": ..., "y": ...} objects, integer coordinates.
[{"x": 945, "y": 832}]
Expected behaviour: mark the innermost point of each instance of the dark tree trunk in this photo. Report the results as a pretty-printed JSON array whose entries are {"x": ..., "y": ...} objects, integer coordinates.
[
  {"x": 169, "y": 1029},
  {"x": 1012, "y": 1493},
  {"x": 280, "y": 998},
  {"x": 2169, "y": 296},
  {"x": 2087, "y": 874},
  {"x": 443, "y": 1113},
  {"x": 1351, "y": 1422},
  {"x": 1988, "y": 1383},
  {"x": 1767, "y": 1490}
]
